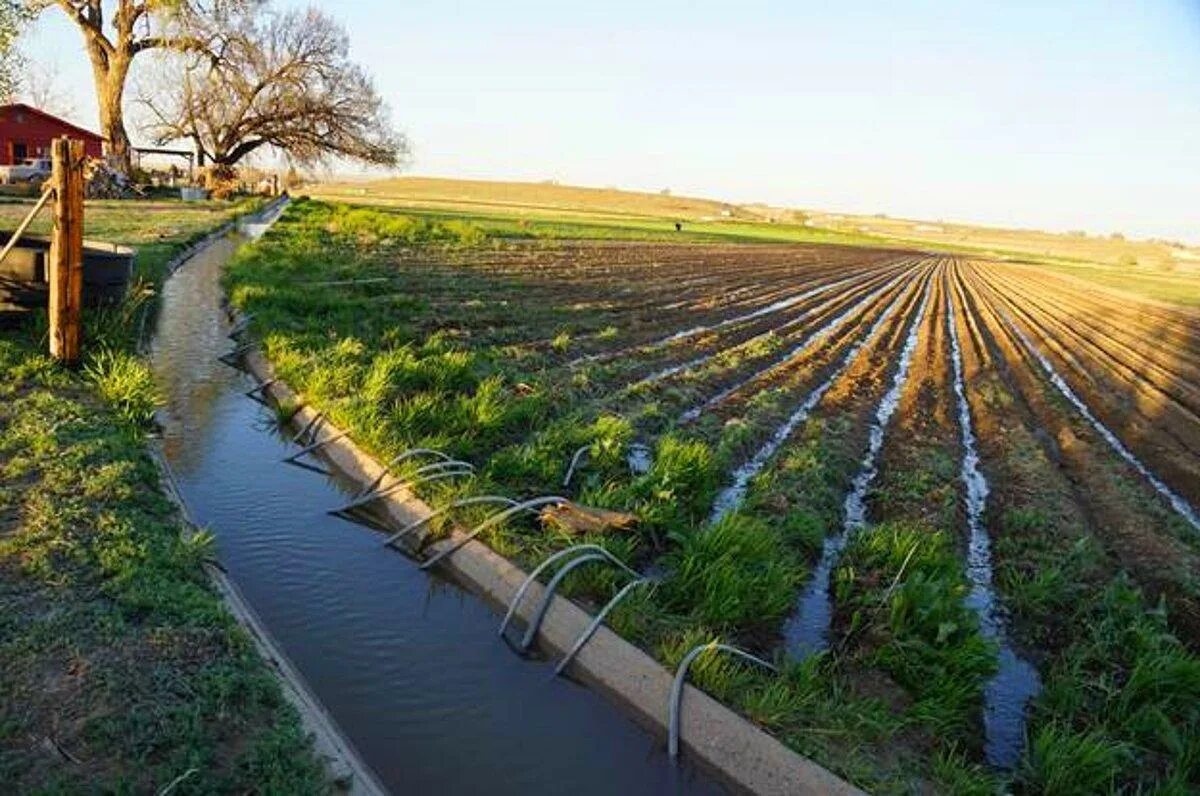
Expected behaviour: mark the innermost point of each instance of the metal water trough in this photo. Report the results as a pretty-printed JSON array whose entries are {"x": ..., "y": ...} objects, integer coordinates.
[{"x": 107, "y": 272}]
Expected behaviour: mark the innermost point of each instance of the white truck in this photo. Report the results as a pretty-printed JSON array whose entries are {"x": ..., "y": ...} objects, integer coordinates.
[{"x": 32, "y": 170}]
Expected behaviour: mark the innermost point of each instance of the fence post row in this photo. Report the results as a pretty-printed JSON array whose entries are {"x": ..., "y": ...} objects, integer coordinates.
[{"x": 66, "y": 251}]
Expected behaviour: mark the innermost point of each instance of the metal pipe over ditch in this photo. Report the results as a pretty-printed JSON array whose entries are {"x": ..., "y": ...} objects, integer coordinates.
[
  {"x": 598, "y": 620},
  {"x": 492, "y": 521},
  {"x": 681, "y": 678},
  {"x": 561, "y": 554},
  {"x": 458, "y": 504}
]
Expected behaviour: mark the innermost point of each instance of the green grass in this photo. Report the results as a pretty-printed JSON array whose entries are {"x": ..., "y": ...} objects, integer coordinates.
[
  {"x": 902, "y": 588},
  {"x": 735, "y": 574},
  {"x": 122, "y": 668}
]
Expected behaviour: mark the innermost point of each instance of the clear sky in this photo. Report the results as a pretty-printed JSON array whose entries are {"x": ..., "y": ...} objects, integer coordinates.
[{"x": 1058, "y": 114}]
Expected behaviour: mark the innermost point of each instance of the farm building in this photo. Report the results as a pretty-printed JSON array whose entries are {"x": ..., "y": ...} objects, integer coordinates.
[{"x": 26, "y": 132}]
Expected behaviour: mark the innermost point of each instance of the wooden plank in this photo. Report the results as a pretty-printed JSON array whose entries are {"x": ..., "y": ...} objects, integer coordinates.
[{"x": 66, "y": 251}]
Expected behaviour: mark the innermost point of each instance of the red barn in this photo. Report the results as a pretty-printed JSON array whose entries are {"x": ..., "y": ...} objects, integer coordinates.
[{"x": 26, "y": 132}]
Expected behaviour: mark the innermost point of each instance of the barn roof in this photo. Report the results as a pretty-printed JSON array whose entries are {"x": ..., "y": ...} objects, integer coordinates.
[{"x": 50, "y": 117}]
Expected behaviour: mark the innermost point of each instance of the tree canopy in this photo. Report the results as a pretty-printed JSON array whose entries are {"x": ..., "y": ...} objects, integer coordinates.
[
  {"x": 116, "y": 31},
  {"x": 280, "y": 79}
]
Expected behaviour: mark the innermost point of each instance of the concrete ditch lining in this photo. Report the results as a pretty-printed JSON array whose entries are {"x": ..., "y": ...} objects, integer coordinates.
[{"x": 743, "y": 756}]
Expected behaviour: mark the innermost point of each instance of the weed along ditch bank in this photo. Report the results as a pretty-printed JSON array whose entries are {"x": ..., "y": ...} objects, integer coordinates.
[
  {"x": 122, "y": 671},
  {"x": 923, "y": 520}
]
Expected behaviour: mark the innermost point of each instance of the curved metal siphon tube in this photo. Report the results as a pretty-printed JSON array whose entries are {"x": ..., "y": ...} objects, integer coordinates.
[
  {"x": 591, "y": 629},
  {"x": 313, "y": 447},
  {"x": 575, "y": 463},
  {"x": 448, "y": 470},
  {"x": 532, "y": 576},
  {"x": 311, "y": 425},
  {"x": 408, "y": 454},
  {"x": 495, "y": 519},
  {"x": 458, "y": 504},
  {"x": 681, "y": 677},
  {"x": 548, "y": 595},
  {"x": 259, "y": 392}
]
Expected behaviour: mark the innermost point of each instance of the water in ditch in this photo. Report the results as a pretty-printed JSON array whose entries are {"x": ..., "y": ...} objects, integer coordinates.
[{"x": 408, "y": 664}]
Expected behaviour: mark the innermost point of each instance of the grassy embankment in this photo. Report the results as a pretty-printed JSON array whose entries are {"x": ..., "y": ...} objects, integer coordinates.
[{"x": 123, "y": 672}]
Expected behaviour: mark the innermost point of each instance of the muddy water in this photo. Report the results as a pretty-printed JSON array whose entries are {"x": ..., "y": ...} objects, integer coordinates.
[
  {"x": 409, "y": 665},
  {"x": 808, "y": 629},
  {"x": 1016, "y": 680}
]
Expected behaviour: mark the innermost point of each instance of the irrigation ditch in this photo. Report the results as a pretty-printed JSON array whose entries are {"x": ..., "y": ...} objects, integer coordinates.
[{"x": 397, "y": 667}]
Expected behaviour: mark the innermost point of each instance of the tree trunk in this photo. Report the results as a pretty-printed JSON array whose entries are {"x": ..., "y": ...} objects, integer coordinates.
[
  {"x": 109, "y": 73},
  {"x": 112, "y": 120}
]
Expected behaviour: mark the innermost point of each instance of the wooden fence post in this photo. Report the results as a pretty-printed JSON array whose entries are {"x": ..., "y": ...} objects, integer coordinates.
[{"x": 66, "y": 251}]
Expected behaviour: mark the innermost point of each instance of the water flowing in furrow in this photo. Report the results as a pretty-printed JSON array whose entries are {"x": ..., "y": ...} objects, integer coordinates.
[
  {"x": 1181, "y": 506},
  {"x": 814, "y": 338},
  {"x": 807, "y": 631},
  {"x": 776, "y": 306},
  {"x": 731, "y": 497},
  {"x": 1016, "y": 680},
  {"x": 666, "y": 373}
]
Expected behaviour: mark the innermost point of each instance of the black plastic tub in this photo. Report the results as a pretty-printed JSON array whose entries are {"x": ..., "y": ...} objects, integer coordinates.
[{"x": 107, "y": 270}]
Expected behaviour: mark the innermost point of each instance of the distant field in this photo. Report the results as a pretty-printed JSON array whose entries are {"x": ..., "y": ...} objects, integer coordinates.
[
  {"x": 1156, "y": 270},
  {"x": 555, "y": 211},
  {"x": 528, "y": 196}
]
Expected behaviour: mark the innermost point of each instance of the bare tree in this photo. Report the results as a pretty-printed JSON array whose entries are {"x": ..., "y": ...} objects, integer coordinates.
[
  {"x": 133, "y": 27},
  {"x": 282, "y": 80},
  {"x": 42, "y": 88}
]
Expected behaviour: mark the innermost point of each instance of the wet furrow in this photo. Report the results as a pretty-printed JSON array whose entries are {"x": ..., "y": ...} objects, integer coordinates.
[
  {"x": 807, "y": 631},
  {"x": 826, "y": 328},
  {"x": 731, "y": 496},
  {"x": 740, "y": 345},
  {"x": 1181, "y": 506},
  {"x": 1016, "y": 680},
  {"x": 1153, "y": 421},
  {"x": 792, "y": 297},
  {"x": 1129, "y": 518},
  {"x": 747, "y": 335}
]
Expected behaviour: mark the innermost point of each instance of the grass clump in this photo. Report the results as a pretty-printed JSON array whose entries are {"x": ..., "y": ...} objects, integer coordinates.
[
  {"x": 736, "y": 574},
  {"x": 124, "y": 380},
  {"x": 900, "y": 590},
  {"x": 1121, "y": 709}
]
